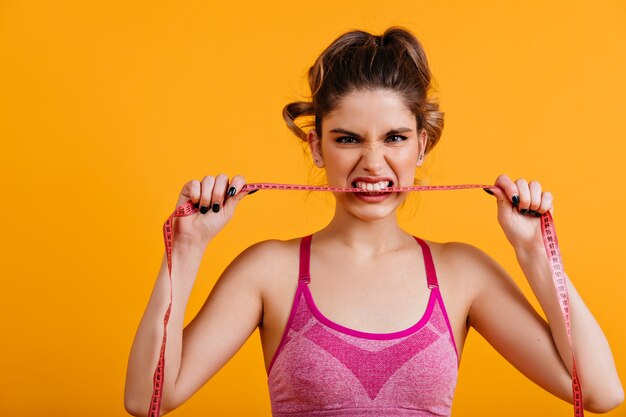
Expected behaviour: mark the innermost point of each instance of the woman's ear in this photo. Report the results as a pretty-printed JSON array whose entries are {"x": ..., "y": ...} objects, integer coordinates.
[
  {"x": 422, "y": 139},
  {"x": 315, "y": 144}
]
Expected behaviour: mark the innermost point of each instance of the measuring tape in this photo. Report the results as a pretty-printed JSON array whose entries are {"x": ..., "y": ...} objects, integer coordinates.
[{"x": 547, "y": 231}]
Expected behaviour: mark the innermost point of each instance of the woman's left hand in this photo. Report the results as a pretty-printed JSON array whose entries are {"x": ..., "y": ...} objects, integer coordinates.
[{"x": 520, "y": 206}]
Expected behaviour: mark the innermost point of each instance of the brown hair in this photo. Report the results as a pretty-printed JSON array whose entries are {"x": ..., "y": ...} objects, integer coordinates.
[{"x": 358, "y": 60}]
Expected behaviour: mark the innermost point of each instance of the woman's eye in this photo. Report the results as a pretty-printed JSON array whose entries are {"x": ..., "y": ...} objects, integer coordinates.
[
  {"x": 396, "y": 138},
  {"x": 346, "y": 139}
]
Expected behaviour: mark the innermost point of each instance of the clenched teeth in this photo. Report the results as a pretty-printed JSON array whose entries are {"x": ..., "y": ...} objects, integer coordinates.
[{"x": 372, "y": 186}]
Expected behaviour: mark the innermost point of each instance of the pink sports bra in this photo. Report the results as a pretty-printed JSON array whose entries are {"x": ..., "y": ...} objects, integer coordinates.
[{"x": 322, "y": 368}]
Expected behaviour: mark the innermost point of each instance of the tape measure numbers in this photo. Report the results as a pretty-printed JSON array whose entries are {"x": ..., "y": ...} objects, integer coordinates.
[{"x": 547, "y": 231}]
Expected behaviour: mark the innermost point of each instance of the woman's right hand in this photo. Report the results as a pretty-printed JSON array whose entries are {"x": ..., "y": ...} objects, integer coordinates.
[{"x": 216, "y": 205}]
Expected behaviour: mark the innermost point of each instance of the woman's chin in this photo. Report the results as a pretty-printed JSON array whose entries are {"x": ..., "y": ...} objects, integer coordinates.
[{"x": 371, "y": 207}]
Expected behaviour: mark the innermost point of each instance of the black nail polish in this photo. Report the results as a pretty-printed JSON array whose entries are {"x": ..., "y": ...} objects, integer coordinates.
[
  {"x": 216, "y": 207},
  {"x": 196, "y": 205},
  {"x": 537, "y": 214},
  {"x": 204, "y": 209},
  {"x": 232, "y": 191},
  {"x": 515, "y": 200},
  {"x": 532, "y": 212},
  {"x": 523, "y": 211},
  {"x": 253, "y": 191},
  {"x": 488, "y": 191}
]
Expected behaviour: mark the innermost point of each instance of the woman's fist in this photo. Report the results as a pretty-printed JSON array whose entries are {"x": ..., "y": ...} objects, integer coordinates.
[
  {"x": 520, "y": 203},
  {"x": 216, "y": 198}
]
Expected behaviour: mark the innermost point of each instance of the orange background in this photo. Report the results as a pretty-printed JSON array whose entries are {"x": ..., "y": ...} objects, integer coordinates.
[{"x": 108, "y": 108}]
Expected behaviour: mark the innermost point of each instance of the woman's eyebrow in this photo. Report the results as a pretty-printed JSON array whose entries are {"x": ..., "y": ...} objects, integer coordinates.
[
  {"x": 391, "y": 132},
  {"x": 398, "y": 130},
  {"x": 345, "y": 132}
]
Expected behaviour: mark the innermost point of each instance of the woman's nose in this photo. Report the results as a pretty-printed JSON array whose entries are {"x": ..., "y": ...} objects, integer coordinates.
[{"x": 373, "y": 159}]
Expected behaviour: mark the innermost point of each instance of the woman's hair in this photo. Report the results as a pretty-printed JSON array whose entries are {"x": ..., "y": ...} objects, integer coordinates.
[{"x": 357, "y": 61}]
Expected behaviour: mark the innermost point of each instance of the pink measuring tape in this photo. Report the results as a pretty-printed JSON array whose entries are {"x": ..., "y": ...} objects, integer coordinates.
[{"x": 549, "y": 240}]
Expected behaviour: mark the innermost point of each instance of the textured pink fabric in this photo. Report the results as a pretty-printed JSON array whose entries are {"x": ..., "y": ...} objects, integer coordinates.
[{"x": 321, "y": 368}]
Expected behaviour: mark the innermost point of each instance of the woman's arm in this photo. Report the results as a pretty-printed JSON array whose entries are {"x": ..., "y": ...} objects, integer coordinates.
[
  {"x": 230, "y": 314},
  {"x": 146, "y": 346},
  {"x": 505, "y": 318},
  {"x": 600, "y": 384},
  {"x": 194, "y": 354}
]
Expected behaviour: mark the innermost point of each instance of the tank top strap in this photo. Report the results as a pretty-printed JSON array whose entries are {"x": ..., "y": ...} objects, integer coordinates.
[
  {"x": 305, "y": 257},
  {"x": 431, "y": 274}
]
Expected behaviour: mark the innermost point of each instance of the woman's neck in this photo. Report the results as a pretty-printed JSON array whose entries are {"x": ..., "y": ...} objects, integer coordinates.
[{"x": 368, "y": 237}]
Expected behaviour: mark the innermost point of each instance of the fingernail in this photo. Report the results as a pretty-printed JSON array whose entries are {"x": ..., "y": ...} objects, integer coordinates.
[
  {"x": 537, "y": 214},
  {"x": 216, "y": 207},
  {"x": 523, "y": 211},
  {"x": 515, "y": 200},
  {"x": 232, "y": 191},
  {"x": 532, "y": 212},
  {"x": 196, "y": 205},
  {"x": 488, "y": 191},
  {"x": 253, "y": 191},
  {"x": 204, "y": 209}
]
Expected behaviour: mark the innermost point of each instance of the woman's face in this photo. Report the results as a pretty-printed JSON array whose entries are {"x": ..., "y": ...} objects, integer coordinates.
[{"x": 370, "y": 137}]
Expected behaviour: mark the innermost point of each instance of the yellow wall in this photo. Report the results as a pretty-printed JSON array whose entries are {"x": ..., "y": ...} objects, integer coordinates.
[{"x": 108, "y": 108}]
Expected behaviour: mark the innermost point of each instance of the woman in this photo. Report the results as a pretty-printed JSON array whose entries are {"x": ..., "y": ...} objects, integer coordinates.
[{"x": 412, "y": 301}]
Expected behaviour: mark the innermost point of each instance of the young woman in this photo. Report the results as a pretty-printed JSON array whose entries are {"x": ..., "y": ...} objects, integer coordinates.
[{"x": 361, "y": 318}]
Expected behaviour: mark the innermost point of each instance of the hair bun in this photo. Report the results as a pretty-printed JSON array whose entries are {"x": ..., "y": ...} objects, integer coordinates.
[{"x": 358, "y": 60}]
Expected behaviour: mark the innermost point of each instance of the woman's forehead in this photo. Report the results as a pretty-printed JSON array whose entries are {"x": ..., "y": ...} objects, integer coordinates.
[{"x": 375, "y": 110}]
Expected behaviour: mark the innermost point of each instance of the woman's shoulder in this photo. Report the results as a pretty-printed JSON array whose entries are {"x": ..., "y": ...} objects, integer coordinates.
[
  {"x": 462, "y": 260},
  {"x": 465, "y": 265},
  {"x": 268, "y": 258},
  {"x": 457, "y": 253},
  {"x": 270, "y": 250}
]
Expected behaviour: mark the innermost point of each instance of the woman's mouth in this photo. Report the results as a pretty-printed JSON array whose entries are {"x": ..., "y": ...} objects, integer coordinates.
[
  {"x": 373, "y": 188},
  {"x": 375, "y": 191}
]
